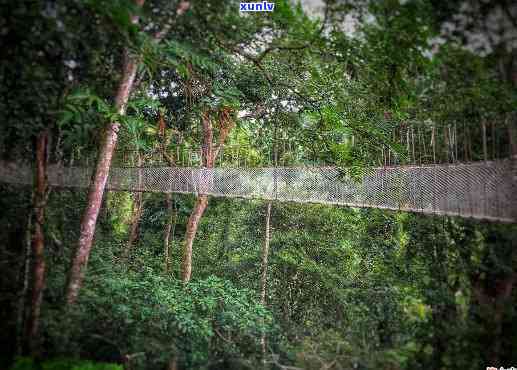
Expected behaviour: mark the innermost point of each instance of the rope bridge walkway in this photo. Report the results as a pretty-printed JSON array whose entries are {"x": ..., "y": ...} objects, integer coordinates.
[{"x": 482, "y": 190}]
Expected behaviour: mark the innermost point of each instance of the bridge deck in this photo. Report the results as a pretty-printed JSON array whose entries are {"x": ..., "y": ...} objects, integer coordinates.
[{"x": 482, "y": 190}]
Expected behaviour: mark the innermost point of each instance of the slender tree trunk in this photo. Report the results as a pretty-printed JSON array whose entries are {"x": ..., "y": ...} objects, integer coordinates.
[
  {"x": 201, "y": 201},
  {"x": 98, "y": 183},
  {"x": 265, "y": 255},
  {"x": 171, "y": 213},
  {"x": 136, "y": 215},
  {"x": 169, "y": 229},
  {"x": 136, "y": 212},
  {"x": 38, "y": 244},
  {"x": 263, "y": 279},
  {"x": 167, "y": 234},
  {"x": 209, "y": 154},
  {"x": 225, "y": 240},
  {"x": 192, "y": 225}
]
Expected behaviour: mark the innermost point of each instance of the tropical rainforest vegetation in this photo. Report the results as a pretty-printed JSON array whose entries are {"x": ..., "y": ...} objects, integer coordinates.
[{"x": 98, "y": 279}]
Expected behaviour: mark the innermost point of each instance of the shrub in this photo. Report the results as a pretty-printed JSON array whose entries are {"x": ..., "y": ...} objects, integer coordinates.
[
  {"x": 26, "y": 363},
  {"x": 159, "y": 319}
]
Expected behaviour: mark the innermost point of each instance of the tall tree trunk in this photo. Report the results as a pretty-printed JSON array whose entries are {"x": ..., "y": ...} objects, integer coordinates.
[
  {"x": 38, "y": 244},
  {"x": 96, "y": 190},
  {"x": 209, "y": 155},
  {"x": 169, "y": 229},
  {"x": 171, "y": 211},
  {"x": 201, "y": 201},
  {"x": 263, "y": 278}
]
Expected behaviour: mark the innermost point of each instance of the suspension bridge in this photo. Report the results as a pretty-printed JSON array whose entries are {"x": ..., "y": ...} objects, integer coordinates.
[
  {"x": 441, "y": 175},
  {"x": 481, "y": 190}
]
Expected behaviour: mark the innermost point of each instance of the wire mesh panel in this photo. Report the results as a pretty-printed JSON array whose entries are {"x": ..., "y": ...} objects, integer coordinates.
[
  {"x": 484, "y": 190},
  {"x": 15, "y": 173}
]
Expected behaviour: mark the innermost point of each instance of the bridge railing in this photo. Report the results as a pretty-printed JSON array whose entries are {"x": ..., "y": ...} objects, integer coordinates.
[{"x": 482, "y": 190}]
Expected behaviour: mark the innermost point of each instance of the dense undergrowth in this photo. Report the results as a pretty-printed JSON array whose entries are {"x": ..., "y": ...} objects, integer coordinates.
[{"x": 348, "y": 287}]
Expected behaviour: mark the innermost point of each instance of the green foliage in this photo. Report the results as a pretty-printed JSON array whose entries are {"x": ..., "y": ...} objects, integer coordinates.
[
  {"x": 83, "y": 113},
  {"x": 121, "y": 205},
  {"x": 131, "y": 312},
  {"x": 180, "y": 55},
  {"x": 23, "y": 363},
  {"x": 119, "y": 13},
  {"x": 26, "y": 363}
]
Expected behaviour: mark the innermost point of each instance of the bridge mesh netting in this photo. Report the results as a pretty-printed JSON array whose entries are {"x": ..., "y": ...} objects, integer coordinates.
[{"x": 483, "y": 190}]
